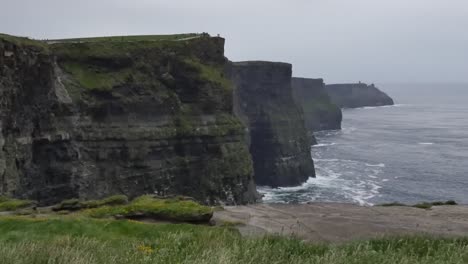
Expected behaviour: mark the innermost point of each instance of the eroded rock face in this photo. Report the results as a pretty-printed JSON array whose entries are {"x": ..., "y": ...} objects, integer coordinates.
[
  {"x": 319, "y": 112},
  {"x": 279, "y": 144},
  {"x": 89, "y": 120},
  {"x": 357, "y": 95}
]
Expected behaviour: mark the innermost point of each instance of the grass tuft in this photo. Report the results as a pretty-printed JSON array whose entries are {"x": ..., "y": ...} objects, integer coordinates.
[
  {"x": 8, "y": 204},
  {"x": 160, "y": 209},
  {"x": 75, "y": 204},
  {"x": 23, "y": 41},
  {"x": 173, "y": 37},
  {"x": 109, "y": 201}
]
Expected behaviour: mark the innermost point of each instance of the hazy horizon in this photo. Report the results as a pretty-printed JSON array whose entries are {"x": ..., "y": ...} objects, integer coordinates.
[{"x": 423, "y": 41}]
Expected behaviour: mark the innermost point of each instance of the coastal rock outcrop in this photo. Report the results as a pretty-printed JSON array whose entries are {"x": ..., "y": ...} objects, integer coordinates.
[
  {"x": 319, "y": 112},
  {"x": 357, "y": 95},
  {"x": 92, "y": 118},
  {"x": 279, "y": 144}
]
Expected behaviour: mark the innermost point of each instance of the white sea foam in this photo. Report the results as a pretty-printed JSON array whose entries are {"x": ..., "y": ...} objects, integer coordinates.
[
  {"x": 323, "y": 145},
  {"x": 333, "y": 183},
  {"x": 348, "y": 130},
  {"x": 368, "y": 107},
  {"x": 426, "y": 143},
  {"x": 382, "y": 106},
  {"x": 381, "y": 165}
]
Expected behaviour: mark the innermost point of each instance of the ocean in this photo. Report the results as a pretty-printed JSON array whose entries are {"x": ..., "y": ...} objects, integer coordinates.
[{"x": 414, "y": 151}]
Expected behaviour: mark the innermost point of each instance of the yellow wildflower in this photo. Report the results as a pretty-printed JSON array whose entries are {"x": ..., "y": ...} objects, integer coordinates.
[{"x": 145, "y": 249}]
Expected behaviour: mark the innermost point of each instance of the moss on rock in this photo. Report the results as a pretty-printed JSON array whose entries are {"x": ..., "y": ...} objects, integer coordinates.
[{"x": 175, "y": 209}]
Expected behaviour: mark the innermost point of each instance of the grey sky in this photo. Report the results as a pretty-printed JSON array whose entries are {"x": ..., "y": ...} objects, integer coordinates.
[{"x": 338, "y": 40}]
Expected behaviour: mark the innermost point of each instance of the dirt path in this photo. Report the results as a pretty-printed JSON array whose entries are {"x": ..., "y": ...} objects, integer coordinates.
[{"x": 332, "y": 222}]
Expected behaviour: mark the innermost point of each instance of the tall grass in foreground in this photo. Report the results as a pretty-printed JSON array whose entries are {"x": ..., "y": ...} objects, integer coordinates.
[{"x": 85, "y": 241}]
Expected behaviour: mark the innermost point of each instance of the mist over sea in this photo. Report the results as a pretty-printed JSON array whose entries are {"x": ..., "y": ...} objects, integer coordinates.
[{"x": 414, "y": 151}]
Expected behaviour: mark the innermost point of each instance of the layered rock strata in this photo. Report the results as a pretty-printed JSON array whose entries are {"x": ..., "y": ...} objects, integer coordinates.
[
  {"x": 89, "y": 119},
  {"x": 279, "y": 143}
]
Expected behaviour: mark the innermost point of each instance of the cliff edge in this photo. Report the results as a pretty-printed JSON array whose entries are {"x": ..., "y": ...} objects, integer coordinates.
[
  {"x": 320, "y": 113},
  {"x": 279, "y": 144},
  {"x": 357, "y": 95},
  {"x": 89, "y": 118}
]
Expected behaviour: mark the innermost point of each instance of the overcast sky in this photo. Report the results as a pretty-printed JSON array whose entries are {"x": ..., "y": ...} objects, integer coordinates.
[{"x": 338, "y": 40}]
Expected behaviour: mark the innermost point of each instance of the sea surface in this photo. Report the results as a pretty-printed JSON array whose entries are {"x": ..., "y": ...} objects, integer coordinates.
[{"x": 414, "y": 151}]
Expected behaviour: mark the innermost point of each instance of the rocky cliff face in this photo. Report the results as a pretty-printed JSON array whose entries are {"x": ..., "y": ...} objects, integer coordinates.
[
  {"x": 357, "y": 95},
  {"x": 279, "y": 144},
  {"x": 319, "y": 112},
  {"x": 92, "y": 119}
]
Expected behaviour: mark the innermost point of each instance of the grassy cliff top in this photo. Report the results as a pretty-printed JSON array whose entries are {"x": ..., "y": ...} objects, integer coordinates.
[
  {"x": 261, "y": 63},
  {"x": 43, "y": 43},
  {"x": 173, "y": 37},
  {"x": 23, "y": 41}
]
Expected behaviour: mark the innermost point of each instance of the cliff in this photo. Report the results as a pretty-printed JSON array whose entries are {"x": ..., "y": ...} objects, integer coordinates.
[
  {"x": 357, "y": 95},
  {"x": 279, "y": 144},
  {"x": 319, "y": 112},
  {"x": 90, "y": 118}
]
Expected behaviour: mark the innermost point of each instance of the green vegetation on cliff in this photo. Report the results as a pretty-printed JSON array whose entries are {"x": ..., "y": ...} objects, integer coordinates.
[
  {"x": 176, "y": 209},
  {"x": 132, "y": 115},
  {"x": 173, "y": 37},
  {"x": 86, "y": 241},
  {"x": 22, "y": 41},
  {"x": 107, "y": 62},
  {"x": 10, "y": 204},
  {"x": 76, "y": 204}
]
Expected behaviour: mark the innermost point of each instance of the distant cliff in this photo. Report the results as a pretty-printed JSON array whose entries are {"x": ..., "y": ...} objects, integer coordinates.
[
  {"x": 319, "y": 112},
  {"x": 90, "y": 118},
  {"x": 357, "y": 95},
  {"x": 279, "y": 144}
]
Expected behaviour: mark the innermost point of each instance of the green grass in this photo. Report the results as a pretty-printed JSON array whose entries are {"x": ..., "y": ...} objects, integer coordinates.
[
  {"x": 23, "y": 41},
  {"x": 8, "y": 204},
  {"x": 111, "y": 200},
  {"x": 211, "y": 73},
  {"x": 85, "y": 241},
  {"x": 160, "y": 209},
  {"x": 129, "y": 38},
  {"x": 424, "y": 205},
  {"x": 75, "y": 204},
  {"x": 101, "y": 65},
  {"x": 94, "y": 79}
]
